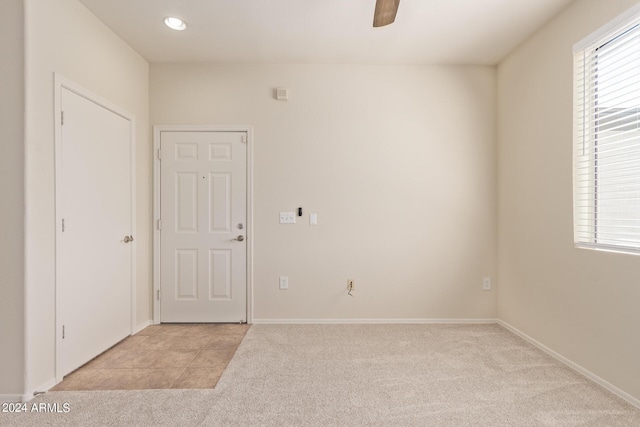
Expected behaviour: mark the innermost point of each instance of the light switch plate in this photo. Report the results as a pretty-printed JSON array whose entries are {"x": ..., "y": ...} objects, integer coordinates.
[
  {"x": 313, "y": 219},
  {"x": 284, "y": 283},
  {"x": 287, "y": 218}
]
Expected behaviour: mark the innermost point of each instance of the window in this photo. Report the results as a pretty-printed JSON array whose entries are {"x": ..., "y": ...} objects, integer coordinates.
[{"x": 607, "y": 137}]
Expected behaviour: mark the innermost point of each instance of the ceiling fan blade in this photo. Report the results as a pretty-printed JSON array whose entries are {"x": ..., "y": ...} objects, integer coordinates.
[{"x": 385, "y": 12}]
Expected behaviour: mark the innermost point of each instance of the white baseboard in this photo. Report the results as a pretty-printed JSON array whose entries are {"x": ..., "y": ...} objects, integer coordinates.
[
  {"x": 40, "y": 389},
  {"x": 369, "y": 321},
  {"x": 590, "y": 375},
  {"x": 51, "y": 383},
  {"x": 10, "y": 398},
  {"x": 141, "y": 326}
]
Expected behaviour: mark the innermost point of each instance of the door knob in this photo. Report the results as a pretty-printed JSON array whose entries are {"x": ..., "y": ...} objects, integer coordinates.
[
  {"x": 128, "y": 239},
  {"x": 239, "y": 239}
]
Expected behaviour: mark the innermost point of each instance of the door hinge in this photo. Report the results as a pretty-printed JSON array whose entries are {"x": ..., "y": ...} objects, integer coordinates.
[
  {"x": 158, "y": 295},
  {"x": 62, "y": 117},
  {"x": 63, "y": 225},
  {"x": 159, "y": 154},
  {"x": 159, "y": 224},
  {"x": 244, "y": 138},
  {"x": 62, "y": 331}
]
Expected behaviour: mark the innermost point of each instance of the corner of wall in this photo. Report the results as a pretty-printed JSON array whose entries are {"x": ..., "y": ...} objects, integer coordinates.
[{"x": 569, "y": 300}]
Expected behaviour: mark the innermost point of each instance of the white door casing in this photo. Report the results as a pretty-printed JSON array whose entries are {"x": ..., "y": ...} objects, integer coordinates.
[
  {"x": 94, "y": 213},
  {"x": 204, "y": 225}
]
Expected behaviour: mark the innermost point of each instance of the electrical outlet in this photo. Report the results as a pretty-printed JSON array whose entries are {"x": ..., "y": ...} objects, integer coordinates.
[
  {"x": 486, "y": 283},
  {"x": 350, "y": 285},
  {"x": 284, "y": 283}
]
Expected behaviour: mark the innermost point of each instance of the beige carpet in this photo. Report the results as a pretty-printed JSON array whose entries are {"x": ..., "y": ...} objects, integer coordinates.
[{"x": 363, "y": 375}]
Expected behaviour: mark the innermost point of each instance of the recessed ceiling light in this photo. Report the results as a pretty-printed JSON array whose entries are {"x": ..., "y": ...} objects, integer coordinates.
[{"x": 175, "y": 23}]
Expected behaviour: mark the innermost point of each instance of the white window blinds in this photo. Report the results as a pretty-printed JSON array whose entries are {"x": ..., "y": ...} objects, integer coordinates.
[{"x": 607, "y": 138}]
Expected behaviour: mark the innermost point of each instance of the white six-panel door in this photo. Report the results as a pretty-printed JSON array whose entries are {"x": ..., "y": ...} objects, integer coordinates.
[
  {"x": 94, "y": 205},
  {"x": 203, "y": 239}
]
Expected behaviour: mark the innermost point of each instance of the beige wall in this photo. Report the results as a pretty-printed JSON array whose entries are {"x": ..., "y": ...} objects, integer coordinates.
[
  {"x": 63, "y": 36},
  {"x": 582, "y": 304},
  {"x": 397, "y": 161},
  {"x": 12, "y": 199}
]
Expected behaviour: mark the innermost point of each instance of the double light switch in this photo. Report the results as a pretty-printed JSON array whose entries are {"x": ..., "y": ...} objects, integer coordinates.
[{"x": 290, "y": 218}]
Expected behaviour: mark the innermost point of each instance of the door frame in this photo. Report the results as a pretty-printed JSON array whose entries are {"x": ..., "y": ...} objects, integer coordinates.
[
  {"x": 157, "y": 131},
  {"x": 61, "y": 82}
]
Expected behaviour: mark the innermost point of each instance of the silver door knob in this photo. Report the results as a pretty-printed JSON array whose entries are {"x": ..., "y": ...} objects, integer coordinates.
[
  {"x": 128, "y": 239},
  {"x": 239, "y": 239}
]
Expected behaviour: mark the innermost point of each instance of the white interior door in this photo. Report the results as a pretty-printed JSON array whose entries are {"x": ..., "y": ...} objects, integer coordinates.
[
  {"x": 95, "y": 214},
  {"x": 203, "y": 240}
]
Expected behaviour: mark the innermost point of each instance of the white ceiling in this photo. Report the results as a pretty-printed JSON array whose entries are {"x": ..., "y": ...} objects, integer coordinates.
[{"x": 326, "y": 31}]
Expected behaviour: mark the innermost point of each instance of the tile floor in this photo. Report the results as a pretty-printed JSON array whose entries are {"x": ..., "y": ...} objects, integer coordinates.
[{"x": 161, "y": 356}]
